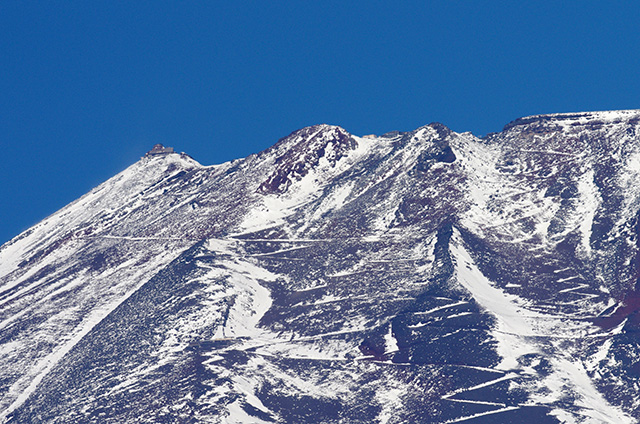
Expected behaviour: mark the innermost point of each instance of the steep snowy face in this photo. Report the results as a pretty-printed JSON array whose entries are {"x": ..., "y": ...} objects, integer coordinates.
[
  {"x": 555, "y": 221},
  {"x": 69, "y": 271},
  {"x": 66, "y": 274},
  {"x": 425, "y": 276},
  {"x": 566, "y": 184}
]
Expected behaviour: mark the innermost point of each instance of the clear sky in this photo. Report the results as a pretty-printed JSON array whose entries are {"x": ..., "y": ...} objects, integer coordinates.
[{"x": 87, "y": 87}]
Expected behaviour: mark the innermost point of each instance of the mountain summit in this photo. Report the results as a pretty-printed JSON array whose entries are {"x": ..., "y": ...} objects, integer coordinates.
[{"x": 426, "y": 276}]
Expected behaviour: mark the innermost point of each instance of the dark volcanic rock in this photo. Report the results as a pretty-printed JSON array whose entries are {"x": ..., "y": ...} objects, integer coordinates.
[{"x": 302, "y": 151}]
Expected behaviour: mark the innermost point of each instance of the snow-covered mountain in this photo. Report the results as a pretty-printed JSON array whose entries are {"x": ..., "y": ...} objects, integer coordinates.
[{"x": 426, "y": 276}]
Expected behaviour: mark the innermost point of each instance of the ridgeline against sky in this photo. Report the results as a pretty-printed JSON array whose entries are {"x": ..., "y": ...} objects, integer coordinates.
[
  {"x": 412, "y": 277},
  {"x": 88, "y": 88}
]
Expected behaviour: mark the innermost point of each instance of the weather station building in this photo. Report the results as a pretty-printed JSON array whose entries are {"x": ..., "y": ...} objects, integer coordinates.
[{"x": 159, "y": 150}]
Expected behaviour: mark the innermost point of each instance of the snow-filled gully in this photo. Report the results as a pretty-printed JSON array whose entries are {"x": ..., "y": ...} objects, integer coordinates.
[{"x": 517, "y": 332}]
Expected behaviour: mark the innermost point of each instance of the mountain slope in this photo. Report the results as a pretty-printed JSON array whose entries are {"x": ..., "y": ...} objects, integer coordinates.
[{"x": 426, "y": 276}]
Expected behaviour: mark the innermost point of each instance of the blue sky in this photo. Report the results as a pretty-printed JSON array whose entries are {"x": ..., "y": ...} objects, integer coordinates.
[{"x": 86, "y": 88}]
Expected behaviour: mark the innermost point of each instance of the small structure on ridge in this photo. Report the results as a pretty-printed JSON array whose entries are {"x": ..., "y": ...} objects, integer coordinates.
[{"x": 159, "y": 150}]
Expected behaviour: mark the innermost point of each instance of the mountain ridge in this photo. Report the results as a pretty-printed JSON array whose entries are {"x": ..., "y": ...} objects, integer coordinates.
[
  {"x": 600, "y": 117},
  {"x": 298, "y": 283}
]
